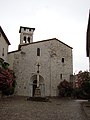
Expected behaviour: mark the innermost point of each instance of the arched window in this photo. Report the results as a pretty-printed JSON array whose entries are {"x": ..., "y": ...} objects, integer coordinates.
[
  {"x": 25, "y": 39},
  {"x": 29, "y": 39},
  {"x": 38, "y": 51}
]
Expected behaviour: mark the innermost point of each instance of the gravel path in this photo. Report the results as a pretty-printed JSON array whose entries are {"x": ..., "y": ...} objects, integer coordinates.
[{"x": 18, "y": 108}]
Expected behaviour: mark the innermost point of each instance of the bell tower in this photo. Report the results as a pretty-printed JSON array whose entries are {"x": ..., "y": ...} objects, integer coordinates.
[{"x": 26, "y": 35}]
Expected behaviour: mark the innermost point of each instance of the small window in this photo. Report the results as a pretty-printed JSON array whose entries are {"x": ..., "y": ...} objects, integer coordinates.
[
  {"x": 29, "y": 39},
  {"x": 25, "y": 39},
  {"x": 3, "y": 52},
  {"x": 62, "y": 60},
  {"x": 38, "y": 51},
  {"x": 61, "y": 76}
]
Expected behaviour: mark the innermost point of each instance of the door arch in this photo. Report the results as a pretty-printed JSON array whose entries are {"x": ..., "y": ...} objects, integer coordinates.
[{"x": 33, "y": 84}]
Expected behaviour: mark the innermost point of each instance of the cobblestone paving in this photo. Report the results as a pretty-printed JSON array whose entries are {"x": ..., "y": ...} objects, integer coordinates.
[{"x": 58, "y": 109}]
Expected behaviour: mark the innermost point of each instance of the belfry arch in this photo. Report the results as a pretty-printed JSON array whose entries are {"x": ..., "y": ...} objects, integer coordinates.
[{"x": 33, "y": 85}]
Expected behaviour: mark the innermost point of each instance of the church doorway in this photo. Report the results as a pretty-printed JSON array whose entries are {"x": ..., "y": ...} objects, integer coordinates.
[{"x": 34, "y": 86}]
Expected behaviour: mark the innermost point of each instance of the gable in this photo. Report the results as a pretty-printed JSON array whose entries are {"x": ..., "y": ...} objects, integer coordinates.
[{"x": 5, "y": 37}]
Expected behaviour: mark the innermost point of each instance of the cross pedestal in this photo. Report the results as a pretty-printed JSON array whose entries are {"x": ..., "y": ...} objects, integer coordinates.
[{"x": 37, "y": 92}]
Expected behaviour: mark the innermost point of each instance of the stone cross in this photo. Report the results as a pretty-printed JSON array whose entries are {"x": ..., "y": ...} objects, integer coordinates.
[{"x": 38, "y": 75}]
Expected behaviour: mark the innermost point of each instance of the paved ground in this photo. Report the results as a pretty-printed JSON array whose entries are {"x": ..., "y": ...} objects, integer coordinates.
[
  {"x": 86, "y": 108},
  {"x": 19, "y": 108}
]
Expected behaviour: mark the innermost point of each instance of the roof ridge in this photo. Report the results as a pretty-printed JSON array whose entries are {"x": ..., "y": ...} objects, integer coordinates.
[{"x": 45, "y": 41}]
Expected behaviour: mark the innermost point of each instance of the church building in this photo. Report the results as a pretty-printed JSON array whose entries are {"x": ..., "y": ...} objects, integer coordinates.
[{"x": 42, "y": 64}]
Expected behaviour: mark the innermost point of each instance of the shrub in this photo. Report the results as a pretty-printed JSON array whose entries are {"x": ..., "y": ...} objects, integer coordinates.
[
  {"x": 83, "y": 90},
  {"x": 65, "y": 89},
  {"x": 7, "y": 79},
  {"x": 86, "y": 88}
]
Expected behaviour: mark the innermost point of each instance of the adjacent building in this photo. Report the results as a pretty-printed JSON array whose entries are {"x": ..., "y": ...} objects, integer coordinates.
[
  {"x": 4, "y": 43},
  {"x": 88, "y": 40}
]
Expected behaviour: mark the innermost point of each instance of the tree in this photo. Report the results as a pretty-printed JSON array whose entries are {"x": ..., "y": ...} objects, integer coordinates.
[
  {"x": 82, "y": 76},
  {"x": 83, "y": 79},
  {"x": 7, "y": 79},
  {"x": 86, "y": 88}
]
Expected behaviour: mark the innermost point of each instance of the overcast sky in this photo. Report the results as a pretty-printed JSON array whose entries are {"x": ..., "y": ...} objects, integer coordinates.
[{"x": 65, "y": 20}]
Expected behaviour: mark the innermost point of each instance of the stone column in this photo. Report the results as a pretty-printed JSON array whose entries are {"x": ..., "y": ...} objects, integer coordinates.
[
  {"x": 37, "y": 90},
  {"x": 37, "y": 79},
  {"x": 38, "y": 75}
]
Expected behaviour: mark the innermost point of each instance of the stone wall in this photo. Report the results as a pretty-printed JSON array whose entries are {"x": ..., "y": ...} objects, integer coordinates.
[{"x": 52, "y": 68}]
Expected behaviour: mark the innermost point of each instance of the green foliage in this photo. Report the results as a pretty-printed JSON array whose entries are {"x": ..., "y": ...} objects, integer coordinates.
[
  {"x": 7, "y": 79},
  {"x": 86, "y": 88},
  {"x": 3, "y": 64},
  {"x": 83, "y": 89},
  {"x": 65, "y": 89},
  {"x": 8, "y": 91},
  {"x": 78, "y": 93}
]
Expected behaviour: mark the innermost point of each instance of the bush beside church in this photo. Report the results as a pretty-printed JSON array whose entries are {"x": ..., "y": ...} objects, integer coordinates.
[{"x": 7, "y": 79}]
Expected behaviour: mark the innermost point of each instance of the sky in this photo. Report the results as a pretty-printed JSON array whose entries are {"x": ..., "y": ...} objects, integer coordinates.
[{"x": 65, "y": 20}]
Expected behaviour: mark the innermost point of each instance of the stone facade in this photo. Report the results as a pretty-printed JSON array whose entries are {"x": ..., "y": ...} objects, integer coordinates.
[{"x": 50, "y": 59}]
